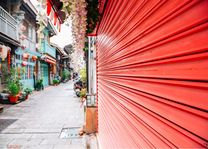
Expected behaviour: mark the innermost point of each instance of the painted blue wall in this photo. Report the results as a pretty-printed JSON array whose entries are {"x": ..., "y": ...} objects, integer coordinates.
[{"x": 26, "y": 79}]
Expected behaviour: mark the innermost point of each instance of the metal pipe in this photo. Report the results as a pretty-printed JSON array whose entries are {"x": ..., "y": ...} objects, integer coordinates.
[{"x": 89, "y": 67}]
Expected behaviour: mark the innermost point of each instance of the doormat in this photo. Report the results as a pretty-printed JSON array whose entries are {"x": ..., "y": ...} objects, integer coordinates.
[
  {"x": 70, "y": 133},
  {"x": 4, "y": 123}
]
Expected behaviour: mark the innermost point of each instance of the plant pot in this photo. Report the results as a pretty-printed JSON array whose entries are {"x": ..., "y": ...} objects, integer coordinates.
[
  {"x": 26, "y": 97},
  {"x": 13, "y": 99}
]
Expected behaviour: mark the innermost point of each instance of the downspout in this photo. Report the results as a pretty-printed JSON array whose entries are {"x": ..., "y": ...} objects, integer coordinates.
[{"x": 89, "y": 66}]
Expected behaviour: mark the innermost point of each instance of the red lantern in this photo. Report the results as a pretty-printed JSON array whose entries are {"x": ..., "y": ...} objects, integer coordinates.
[
  {"x": 24, "y": 63},
  {"x": 34, "y": 58},
  {"x": 8, "y": 59}
]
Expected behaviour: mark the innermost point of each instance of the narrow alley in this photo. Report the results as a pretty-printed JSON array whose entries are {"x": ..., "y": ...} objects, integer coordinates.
[
  {"x": 139, "y": 71},
  {"x": 38, "y": 122}
]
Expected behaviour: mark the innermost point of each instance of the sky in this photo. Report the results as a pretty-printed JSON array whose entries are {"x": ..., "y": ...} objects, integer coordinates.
[{"x": 64, "y": 37}]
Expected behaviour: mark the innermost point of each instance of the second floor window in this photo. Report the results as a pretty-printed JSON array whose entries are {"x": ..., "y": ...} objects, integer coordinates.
[{"x": 30, "y": 31}]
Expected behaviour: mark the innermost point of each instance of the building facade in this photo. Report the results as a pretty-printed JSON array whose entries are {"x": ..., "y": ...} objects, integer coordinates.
[
  {"x": 19, "y": 40},
  {"x": 48, "y": 58},
  {"x": 26, "y": 55},
  {"x": 61, "y": 57},
  {"x": 9, "y": 39}
]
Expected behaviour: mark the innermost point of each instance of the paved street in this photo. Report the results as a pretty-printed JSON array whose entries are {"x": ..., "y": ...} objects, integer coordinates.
[{"x": 38, "y": 122}]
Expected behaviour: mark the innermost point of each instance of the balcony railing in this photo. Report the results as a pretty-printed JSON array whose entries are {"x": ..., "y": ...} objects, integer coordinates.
[
  {"x": 29, "y": 44},
  {"x": 48, "y": 49},
  {"x": 8, "y": 25}
]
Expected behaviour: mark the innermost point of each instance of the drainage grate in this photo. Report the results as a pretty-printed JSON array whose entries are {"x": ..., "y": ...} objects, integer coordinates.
[
  {"x": 4, "y": 123},
  {"x": 70, "y": 133}
]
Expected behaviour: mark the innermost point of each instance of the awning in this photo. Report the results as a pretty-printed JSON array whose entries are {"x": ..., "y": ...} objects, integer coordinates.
[{"x": 50, "y": 60}]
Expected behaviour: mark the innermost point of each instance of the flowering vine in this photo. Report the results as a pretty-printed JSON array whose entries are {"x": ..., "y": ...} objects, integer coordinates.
[
  {"x": 41, "y": 18},
  {"x": 76, "y": 9}
]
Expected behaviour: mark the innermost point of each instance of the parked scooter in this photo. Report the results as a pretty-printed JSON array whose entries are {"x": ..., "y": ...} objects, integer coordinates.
[{"x": 78, "y": 87}]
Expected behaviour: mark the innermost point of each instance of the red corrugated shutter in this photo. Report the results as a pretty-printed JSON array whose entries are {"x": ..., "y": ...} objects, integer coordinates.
[{"x": 152, "y": 69}]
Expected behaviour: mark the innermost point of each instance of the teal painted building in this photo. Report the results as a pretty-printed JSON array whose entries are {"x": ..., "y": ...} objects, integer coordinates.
[
  {"x": 48, "y": 57},
  {"x": 27, "y": 66},
  {"x": 26, "y": 55}
]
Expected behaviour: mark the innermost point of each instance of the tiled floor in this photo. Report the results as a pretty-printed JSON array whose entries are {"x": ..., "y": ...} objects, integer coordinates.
[{"x": 41, "y": 119}]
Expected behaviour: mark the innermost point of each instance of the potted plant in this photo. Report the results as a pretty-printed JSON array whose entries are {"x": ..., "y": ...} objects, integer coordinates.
[
  {"x": 22, "y": 97},
  {"x": 65, "y": 76},
  {"x": 13, "y": 92},
  {"x": 55, "y": 82},
  {"x": 14, "y": 85},
  {"x": 39, "y": 85},
  {"x": 27, "y": 91},
  {"x": 83, "y": 94}
]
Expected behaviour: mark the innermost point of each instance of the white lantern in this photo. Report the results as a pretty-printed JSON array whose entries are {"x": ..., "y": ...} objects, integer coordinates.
[
  {"x": 22, "y": 28},
  {"x": 4, "y": 51}
]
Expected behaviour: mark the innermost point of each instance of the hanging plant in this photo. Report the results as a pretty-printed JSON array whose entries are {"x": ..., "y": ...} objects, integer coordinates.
[
  {"x": 77, "y": 11},
  {"x": 41, "y": 18},
  {"x": 40, "y": 33},
  {"x": 67, "y": 6}
]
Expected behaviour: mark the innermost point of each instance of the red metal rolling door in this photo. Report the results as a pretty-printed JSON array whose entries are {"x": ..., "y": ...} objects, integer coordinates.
[{"x": 152, "y": 71}]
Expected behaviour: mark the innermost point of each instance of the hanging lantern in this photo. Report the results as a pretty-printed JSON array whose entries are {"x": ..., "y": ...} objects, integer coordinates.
[
  {"x": 23, "y": 47},
  {"x": 25, "y": 55},
  {"x": 24, "y": 63},
  {"x": 34, "y": 58},
  {"x": 22, "y": 27},
  {"x": 54, "y": 69},
  {"x": 9, "y": 59},
  {"x": 4, "y": 51},
  {"x": 18, "y": 71}
]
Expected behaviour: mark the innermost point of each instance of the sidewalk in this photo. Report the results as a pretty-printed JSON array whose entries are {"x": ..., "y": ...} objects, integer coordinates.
[{"x": 38, "y": 122}]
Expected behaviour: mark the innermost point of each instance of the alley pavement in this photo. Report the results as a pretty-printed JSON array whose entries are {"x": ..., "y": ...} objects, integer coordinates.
[{"x": 38, "y": 123}]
